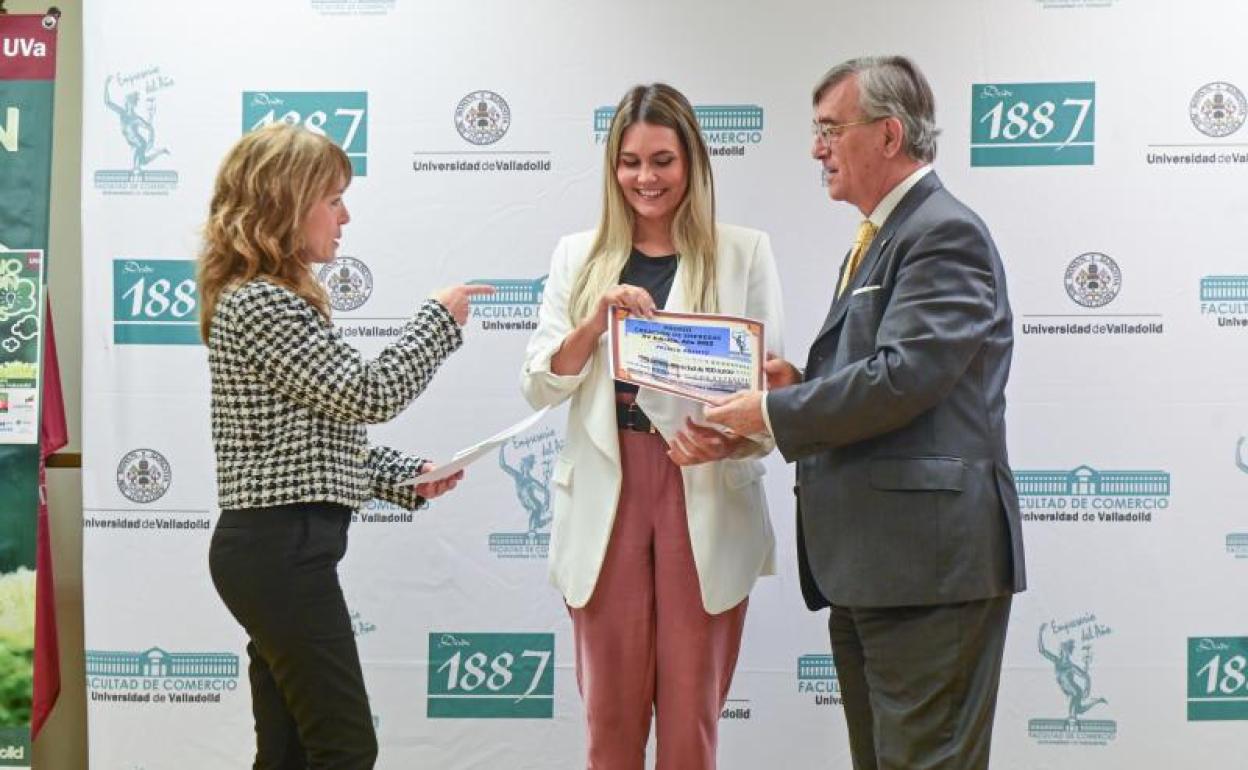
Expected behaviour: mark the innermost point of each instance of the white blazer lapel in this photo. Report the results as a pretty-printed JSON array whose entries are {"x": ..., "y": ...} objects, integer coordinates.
[{"x": 599, "y": 407}]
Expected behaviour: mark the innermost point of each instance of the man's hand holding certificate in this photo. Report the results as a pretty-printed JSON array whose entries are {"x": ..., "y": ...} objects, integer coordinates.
[{"x": 699, "y": 356}]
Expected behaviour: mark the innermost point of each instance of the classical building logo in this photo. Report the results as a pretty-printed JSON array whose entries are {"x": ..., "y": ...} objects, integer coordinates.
[
  {"x": 155, "y": 675},
  {"x": 1218, "y": 109},
  {"x": 482, "y": 117},
  {"x": 728, "y": 129},
  {"x": 512, "y": 307},
  {"x": 1237, "y": 544},
  {"x": 155, "y": 302},
  {"x": 491, "y": 676},
  {"x": 529, "y": 460},
  {"x": 340, "y": 115},
  {"x": 1033, "y": 124},
  {"x": 1217, "y": 678},
  {"x": 144, "y": 475},
  {"x": 816, "y": 675},
  {"x": 1092, "y": 496},
  {"x": 1225, "y": 297},
  {"x": 1093, "y": 279},
  {"x": 1069, "y": 648},
  {"x": 348, "y": 282},
  {"x": 133, "y": 98}
]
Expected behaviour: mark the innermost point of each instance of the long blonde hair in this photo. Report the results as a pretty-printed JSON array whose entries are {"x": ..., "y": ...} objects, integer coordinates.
[
  {"x": 693, "y": 227},
  {"x": 265, "y": 187}
]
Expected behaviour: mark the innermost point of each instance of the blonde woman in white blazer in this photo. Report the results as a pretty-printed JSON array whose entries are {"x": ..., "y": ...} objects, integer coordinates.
[{"x": 660, "y": 525}]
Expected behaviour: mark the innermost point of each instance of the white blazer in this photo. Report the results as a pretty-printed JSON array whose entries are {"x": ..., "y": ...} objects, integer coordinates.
[{"x": 730, "y": 530}]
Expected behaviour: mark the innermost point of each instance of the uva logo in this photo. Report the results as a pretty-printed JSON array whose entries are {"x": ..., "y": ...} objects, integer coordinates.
[{"x": 26, "y": 48}]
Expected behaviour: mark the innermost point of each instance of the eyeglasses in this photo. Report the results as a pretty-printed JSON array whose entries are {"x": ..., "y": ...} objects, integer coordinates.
[{"x": 830, "y": 133}]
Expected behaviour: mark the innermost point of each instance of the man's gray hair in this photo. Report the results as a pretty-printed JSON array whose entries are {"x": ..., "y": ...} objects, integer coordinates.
[{"x": 891, "y": 87}]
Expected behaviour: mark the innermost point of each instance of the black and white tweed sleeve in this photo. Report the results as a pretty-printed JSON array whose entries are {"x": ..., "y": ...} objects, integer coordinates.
[
  {"x": 305, "y": 358},
  {"x": 387, "y": 468}
]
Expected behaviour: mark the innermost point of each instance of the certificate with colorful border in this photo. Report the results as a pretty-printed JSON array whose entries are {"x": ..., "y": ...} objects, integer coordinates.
[{"x": 699, "y": 356}]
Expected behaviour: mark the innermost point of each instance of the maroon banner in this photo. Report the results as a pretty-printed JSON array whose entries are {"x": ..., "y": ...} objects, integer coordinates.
[{"x": 27, "y": 49}]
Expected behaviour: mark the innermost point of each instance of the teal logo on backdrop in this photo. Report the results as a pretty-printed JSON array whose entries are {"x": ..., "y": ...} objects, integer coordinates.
[
  {"x": 1217, "y": 678},
  {"x": 155, "y": 675},
  {"x": 1033, "y": 124},
  {"x": 727, "y": 129},
  {"x": 155, "y": 302},
  {"x": 512, "y": 307},
  {"x": 816, "y": 675},
  {"x": 1225, "y": 298},
  {"x": 491, "y": 676},
  {"x": 340, "y": 115},
  {"x": 1092, "y": 496},
  {"x": 133, "y": 98},
  {"x": 529, "y": 461},
  {"x": 1237, "y": 544},
  {"x": 1068, "y": 647}
]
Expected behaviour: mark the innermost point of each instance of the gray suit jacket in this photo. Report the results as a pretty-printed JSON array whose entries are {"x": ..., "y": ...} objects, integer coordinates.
[{"x": 905, "y": 495}]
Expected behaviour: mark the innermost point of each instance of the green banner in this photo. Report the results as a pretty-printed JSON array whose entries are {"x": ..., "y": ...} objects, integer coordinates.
[
  {"x": 491, "y": 676},
  {"x": 26, "y": 89}
]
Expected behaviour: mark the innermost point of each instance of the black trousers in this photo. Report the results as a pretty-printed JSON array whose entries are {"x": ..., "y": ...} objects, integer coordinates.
[
  {"x": 919, "y": 684},
  {"x": 276, "y": 569}
]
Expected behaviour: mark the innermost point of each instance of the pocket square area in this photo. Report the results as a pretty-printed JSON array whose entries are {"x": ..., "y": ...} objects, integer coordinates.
[{"x": 864, "y": 290}]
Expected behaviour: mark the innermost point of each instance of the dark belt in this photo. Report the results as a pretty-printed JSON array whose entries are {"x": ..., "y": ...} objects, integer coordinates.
[{"x": 630, "y": 417}]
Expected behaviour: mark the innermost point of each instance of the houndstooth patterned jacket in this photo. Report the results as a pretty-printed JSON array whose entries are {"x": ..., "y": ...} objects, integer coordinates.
[{"x": 290, "y": 400}]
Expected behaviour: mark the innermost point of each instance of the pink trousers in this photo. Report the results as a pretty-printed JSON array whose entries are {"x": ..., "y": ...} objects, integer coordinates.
[{"x": 644, "y": 643}]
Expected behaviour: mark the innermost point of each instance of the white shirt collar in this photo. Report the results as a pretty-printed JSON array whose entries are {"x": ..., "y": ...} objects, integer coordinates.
[{"x": 894, "y": 196}]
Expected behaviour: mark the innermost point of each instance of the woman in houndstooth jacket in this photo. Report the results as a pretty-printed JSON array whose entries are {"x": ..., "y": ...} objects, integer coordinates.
[{"x": 290, "y": 400}]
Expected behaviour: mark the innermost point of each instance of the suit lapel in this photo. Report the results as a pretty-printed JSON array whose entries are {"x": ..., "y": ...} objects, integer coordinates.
[{"x": 906, "y": 206}]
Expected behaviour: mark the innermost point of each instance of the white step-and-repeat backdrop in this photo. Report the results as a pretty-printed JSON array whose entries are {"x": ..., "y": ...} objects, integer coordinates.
[{"x": 1102, "y": 141}]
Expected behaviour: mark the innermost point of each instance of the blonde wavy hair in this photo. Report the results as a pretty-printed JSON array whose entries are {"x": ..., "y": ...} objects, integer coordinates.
[
  {"x": 265, "y": 188},
  {"x": 693, "y": 227}
]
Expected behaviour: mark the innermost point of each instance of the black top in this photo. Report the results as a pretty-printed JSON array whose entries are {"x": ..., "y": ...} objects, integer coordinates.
[{"x": 655, "y": 275}]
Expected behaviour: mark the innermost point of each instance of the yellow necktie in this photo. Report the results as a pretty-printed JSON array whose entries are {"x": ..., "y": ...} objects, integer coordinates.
[{"x": 862, "y": 241}]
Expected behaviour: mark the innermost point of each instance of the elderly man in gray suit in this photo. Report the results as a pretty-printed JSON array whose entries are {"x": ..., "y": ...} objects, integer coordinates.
[{"x": 908, "y": 522}]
